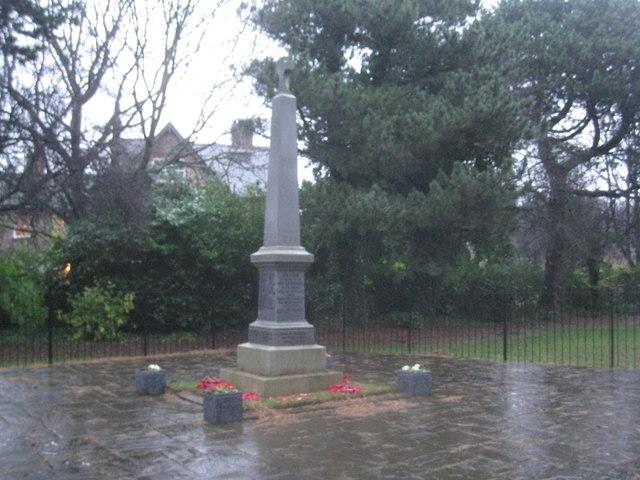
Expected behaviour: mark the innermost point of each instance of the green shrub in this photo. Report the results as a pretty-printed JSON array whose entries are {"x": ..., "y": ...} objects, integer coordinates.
[
  {"x": 623, "y": 277},
  {"x": 98, "y": 312},
  {"x": 188, "y": 264},
  {"x": 22, "y": 293}
]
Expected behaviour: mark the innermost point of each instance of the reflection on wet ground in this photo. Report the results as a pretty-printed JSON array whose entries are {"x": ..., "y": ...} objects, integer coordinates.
[{"x": 484, "y": 420}]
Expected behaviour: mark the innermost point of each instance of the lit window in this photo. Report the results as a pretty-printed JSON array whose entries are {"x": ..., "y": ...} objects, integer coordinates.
[{"x": 22, "y": 229}]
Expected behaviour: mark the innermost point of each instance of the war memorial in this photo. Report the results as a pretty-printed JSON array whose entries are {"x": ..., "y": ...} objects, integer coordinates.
[{"x": 281, "y": 356}]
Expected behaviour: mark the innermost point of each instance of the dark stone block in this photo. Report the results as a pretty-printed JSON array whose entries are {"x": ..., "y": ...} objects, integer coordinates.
[
  {"x": 281, "y": 337},
  {"x": 414, "y": 383},
  {"x": 150, "y": 382},
  {"x": 222, "y": 407}
]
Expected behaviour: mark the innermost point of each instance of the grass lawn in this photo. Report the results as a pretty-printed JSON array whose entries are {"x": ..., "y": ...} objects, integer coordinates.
[{"x": 590, "y": 346}]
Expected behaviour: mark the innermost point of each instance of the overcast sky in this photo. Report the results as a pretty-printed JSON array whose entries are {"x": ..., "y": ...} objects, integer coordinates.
[
  {"x": 226, "y": 45},
  {"x": 211, "y": 67}
]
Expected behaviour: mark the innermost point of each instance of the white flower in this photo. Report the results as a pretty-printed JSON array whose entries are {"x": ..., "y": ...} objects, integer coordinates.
[
  {"x": 414, "y": 368},
  {"x": 153, "y": 367}
]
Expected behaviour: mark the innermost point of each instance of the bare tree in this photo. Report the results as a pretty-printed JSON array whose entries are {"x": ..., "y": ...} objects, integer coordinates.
[
  {"x": 103, "y": 73},
  {"x": 622, "y": 179}
]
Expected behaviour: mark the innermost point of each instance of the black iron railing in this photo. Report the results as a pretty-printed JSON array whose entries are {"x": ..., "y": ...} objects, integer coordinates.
[
  {"x": 597, "y": 329},
  {"x": 586, "y": 327}
]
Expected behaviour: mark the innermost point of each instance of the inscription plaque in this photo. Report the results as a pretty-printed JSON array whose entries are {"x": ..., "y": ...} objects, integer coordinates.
[
  {"x": 276, "y": 337},
  {"x": 281, "y": 295},
  {"x": 267, "y": 295},
  {"x": 290, "y": 295}
]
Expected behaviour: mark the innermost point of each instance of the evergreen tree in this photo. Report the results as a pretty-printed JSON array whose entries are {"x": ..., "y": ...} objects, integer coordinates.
[{"x": 411, "y": 138}]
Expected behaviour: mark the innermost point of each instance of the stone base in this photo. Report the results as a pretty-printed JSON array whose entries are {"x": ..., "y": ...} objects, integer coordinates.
[
  {"x": 274, "y": 361},
  {"x": 281, "y": 370},
  {"x": 280, "y": 385}
]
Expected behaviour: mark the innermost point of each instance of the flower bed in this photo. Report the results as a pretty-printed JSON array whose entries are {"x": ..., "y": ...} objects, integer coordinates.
[
  {"x": 253, "y": 401},
  {"x": 345, "y": 387}
]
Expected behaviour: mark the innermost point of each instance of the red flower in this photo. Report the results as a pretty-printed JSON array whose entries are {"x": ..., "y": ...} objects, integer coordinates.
[
  {"x": 209, "y": 383},
  {"x": 346, "y": 380},
  {"x": 250, "y": 397},
  {"x": 342, "y": 388}
]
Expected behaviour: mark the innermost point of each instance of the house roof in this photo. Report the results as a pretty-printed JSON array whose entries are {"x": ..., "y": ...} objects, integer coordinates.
[{"x": 238, "y": 167}]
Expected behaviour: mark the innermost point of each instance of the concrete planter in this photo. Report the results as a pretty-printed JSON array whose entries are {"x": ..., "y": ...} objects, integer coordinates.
[
  {"x": 222, "y": 407},
  {"x": 414, "y": 383},
  {"x": 150, "y": 382}
]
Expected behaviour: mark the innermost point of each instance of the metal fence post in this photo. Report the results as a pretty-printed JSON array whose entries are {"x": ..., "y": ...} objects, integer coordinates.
[
  {"x": 611, "y": 329},
  {"x": 505, "y": 328},
  {"x": 344, "y": 322},
  {"x": 410, "y": 332},
  {"x": 51, "y": 313},
  {"x": 144, "y": 339}
]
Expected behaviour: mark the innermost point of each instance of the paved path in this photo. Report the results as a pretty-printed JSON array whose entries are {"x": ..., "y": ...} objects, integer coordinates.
[{"x": 484, "y": 420}]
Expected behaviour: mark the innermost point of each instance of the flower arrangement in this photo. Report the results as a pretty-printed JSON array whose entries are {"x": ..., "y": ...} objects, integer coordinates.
[
  {"x": 414, "y": 368},
  {"x": 222, "y": 403},
  {"x": 215, "y": 385},
  {"x": 152, "y": 367},
  {"x": 345, "y": 387}
]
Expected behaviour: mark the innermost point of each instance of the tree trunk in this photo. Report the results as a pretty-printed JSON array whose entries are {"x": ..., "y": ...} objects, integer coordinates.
[
  {"x": 555, "y": 250},
  {"x": 556, "y": 215}
]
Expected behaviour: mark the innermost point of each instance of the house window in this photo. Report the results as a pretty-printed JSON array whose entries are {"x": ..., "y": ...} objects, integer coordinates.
[
  {"x": 22, "y": 229},
  {"x": 157, "y": 160}
]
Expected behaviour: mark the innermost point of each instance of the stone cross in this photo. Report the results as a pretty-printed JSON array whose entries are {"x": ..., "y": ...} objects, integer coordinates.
[{"x": 284, "y": 67}]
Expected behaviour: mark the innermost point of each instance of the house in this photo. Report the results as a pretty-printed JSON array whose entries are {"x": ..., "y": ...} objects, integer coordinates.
[
  {"x": 20, "y": 229},
  {"x": 240, "y": 164}
]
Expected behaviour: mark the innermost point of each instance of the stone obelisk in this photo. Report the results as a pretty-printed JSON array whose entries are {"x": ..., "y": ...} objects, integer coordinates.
[{"x": 281, "y": 356}]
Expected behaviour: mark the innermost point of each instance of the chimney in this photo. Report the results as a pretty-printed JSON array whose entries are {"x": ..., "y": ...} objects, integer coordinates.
[{"x": 242, "y": 134}]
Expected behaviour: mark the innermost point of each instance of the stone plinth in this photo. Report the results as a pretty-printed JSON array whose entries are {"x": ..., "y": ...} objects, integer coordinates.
[
  {"x": 283, "y": 384},
  {"x": 281, "y": 370},
  {"x": 272, "y": 361},
  {"x": 281, "y": 300}
]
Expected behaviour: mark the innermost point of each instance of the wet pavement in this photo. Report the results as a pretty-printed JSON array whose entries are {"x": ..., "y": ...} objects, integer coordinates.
[{"x": 483, "y": 420}]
